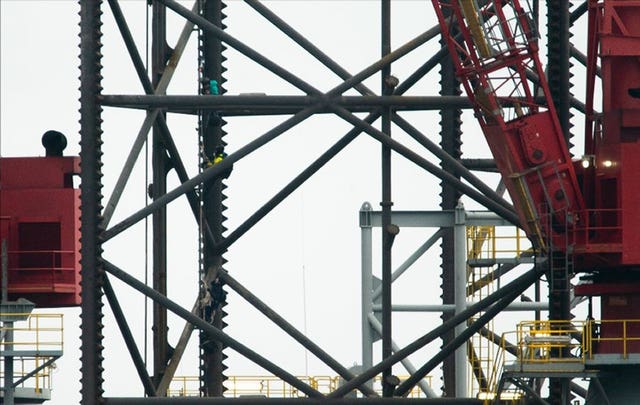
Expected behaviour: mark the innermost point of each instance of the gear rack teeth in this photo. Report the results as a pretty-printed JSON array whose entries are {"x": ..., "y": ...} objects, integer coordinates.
[
  {"x": 91, "y": 203},
  {"x": 211, "y": 61},
  {"x": 450, "y": 122}
]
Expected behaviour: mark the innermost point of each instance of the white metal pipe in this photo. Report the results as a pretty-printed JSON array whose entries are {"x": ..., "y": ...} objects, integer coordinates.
[{"x": 460, "y": 297}]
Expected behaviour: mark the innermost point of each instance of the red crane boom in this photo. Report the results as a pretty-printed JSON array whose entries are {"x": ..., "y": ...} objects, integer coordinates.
[
  {"x": 495, "y": 54},
  {"x": 494, "y": 50}
]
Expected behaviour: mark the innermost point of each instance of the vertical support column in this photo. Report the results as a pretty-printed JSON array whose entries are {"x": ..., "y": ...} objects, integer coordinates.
[
  {"x": 460, "y": 280},
  {"x": 91, "y": 228},
  {"x": 158, "y": 189},
  {"x": 9, "y": 391},
  {"x": 387, "y": 238},
  {"x": 366, "y": 251},
  {"x": 559, "y": 310},
  {"x": 450, "y": 132},
  {"x": 160, "y": 168},
  {"x": 5, "y": 272},
  {"x": 212, "y": 142},
  {"x": 559, "y": 63}
]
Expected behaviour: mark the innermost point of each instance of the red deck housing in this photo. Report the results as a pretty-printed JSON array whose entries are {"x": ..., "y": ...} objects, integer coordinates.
[
  {"x": 618, "y": 148},
  {"x": 40, "y": 220}
]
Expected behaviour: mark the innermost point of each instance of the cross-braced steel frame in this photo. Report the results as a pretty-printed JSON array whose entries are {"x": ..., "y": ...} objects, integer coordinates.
[{"x": 456, "y": 175}]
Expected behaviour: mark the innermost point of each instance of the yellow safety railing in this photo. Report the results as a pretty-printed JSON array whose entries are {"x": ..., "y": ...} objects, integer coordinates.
[
  {"x": 23, "y": 366},
  {"x": 619, "y": 335},
  {"x": 480, "y": 245},
  {"x": 38, "y": 332},
  {"x": 536, "y": 342},
  {"x": 540, "y": 342},
  {"x": 484, "y": 245},
  {"x": 39, "y": 335},
  {"x": 477, "y": 238},
  {"x": 572, "y": 341},
  {"x": 551, "y": 341},
  {"x": 489, "y": 242},
  {"x": 511, "y": 395},
  {"x": 184, "y": 386},
  {"x": 269, "y": 386},
  {"x": 494, "y": 375}
]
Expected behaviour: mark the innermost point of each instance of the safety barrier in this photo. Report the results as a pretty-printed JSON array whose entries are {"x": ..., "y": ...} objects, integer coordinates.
[
  {"x": 489, "y": 242},
  {"x": 36, "y": 343},
  {"x": 39, "y": 271},
  {"x": 620, "y": 336},
  {"x": 269, "y": 386}
]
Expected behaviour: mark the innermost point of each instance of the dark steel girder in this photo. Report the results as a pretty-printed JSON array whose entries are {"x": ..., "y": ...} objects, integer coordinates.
[
  {"x": 319, "y": 162},
  {"x": 209, "y": 174},
  {"x": 176, "y": 160},
  {"x": 578, "y": 12},
  {"x": 223, "y": 103},
  {"x": 305, "y": 44},
  {"x": 386, "y": 200},
  {"x": 240, "y": 46},
  {"x": 206, "y": 327},
  {"x": 480, "y": 164},
  {"x": 284, "y": 104},
  {"x": 262, "y": 108},
  {"x": 507, "y": 214},
  {"x": 293, "y": 401},
  {"x": 92, "y": 267},
  {"x": 159, "y": 170},
  {"x": 211, "y": 136},
  {"x": 274, "y": 68},
  {"x": 519, "y": 284},
  {"x": 129, "y": 341},
  {"x": 298, "y": 108},
  {"x": 292, "y": 331},
  {"x": 405, "y": 387},
  {"x": 446, "y": 158}
]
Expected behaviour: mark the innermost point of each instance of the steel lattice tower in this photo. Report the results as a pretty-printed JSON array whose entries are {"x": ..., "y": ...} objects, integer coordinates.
[{"x": 206, "y": 191}]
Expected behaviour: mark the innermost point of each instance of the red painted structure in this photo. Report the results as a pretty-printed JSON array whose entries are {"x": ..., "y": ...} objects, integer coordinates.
[
  {"x": 593, "y": 211},
  {"x": 613, "y": 138},
  {"x": 40, "y": 219},
  {"x": 613, "y": 141},
  {"x": 495, "y": 53}
]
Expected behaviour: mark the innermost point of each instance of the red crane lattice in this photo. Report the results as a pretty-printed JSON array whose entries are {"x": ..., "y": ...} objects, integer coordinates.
[{"x": 494, "y": 49}]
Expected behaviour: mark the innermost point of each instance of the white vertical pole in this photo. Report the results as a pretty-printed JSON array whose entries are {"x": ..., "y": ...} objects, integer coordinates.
[
  {"x": 367, "y": 285},
  {"x": 460, "y": 281}
]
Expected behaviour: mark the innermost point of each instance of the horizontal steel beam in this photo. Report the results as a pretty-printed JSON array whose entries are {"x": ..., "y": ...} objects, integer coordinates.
[
  {"x": 479, "y": 164},
  {"x": 514, "y": 306},
  {"x": 224, "y": 102},
  {"x": 293, "y": 401},
  {"x": 432, "y": 219}
]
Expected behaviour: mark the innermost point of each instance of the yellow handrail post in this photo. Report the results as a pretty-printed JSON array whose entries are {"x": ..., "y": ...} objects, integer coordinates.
[{"x": 624, "y": 339}]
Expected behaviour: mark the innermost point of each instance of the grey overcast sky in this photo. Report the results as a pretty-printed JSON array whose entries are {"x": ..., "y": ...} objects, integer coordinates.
[{"x": 306, "y": 253}]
